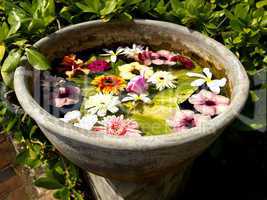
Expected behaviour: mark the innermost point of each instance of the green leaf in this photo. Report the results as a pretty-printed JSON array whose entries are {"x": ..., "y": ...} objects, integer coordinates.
[
  {"x": 261, "y": 4},
  {"x": 22, "y": 157},
  {"x": 2, "y": 51},
  {"x": 90, "y": 6},
  {"x": 161, "y": 7},
  {"x": 9, "y": 66},
  {"x": 110, "y": 6},
  {"x": 151, "y": 125},
  {"x": 48, "y": 183},
  {"x": 4, "y": 30},
  {"x": 15, "y": 21},
  {"x": 62, "y": 194},
  {"x": 37, "y": 60}
]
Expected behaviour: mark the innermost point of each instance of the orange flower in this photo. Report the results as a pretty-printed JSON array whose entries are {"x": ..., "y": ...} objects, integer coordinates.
[{"x": 109, "y": 84}]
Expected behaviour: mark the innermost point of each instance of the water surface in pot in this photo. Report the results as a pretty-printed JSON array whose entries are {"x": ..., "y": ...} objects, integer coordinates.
[{"x": 133, "y": 90}]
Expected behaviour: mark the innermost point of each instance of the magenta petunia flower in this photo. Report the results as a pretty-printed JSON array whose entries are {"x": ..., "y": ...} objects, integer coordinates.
[
  {"x": 137, "y": 85},
  {"x": 185, "y": 119},
  {"x": 119, "y": 126},
  {"x": 145, "y": 57},
  {"x": 64, "y": 96},
  {"x": 209, "y": 103},
  {"x": 98, "y": 66}
]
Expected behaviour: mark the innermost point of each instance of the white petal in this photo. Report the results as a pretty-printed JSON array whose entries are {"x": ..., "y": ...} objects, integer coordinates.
[
  {"x": 113, "y": 58},
  {"x": 102, "y": 112},
  {"x": 146, "y": 99},
  {"x": 198, "y": 82},
  {"x": 127, "y": 99},
  {"x": 192, "y": 74},
  {"x": 87, "y": 122},
  {"x": 207, "y": 72},
  {"x": 113, "y": 109},
  {"x": 214, "y": 86},
  {"x": 222, "y": 82},
  {"x": 73, "y": 115}
]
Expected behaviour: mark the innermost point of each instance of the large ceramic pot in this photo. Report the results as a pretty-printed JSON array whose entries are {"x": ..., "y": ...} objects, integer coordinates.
[{"x": 140, "y": 158}]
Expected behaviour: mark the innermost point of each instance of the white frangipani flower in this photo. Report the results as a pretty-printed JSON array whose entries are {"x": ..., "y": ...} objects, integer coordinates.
[
  {"x": 162, "y": 80},
  {"x": 100, "y": 104},
  {"x": 87, "y": 122},
  {"x": 113, "y": 55},
  {"x": 131, "y": 52},
  {"x": 206, "y": 77},
  {"x": 72, "y": 116},
  {"x": 137, "y": 97}
]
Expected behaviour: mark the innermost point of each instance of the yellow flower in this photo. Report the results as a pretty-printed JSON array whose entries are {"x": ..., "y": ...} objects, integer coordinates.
[
  {"x": 109, "y": 84},
  {"x": 129, "y": 71}
]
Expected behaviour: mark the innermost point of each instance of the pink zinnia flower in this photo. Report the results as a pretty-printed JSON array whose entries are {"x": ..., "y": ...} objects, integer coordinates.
[
  {"x": 186, "y": 62},
  {"x": 64, "y": 96},
  {"x": 209, "y": 103},
  {"x": 185, "y": 119},
  {"x": 137, "y": 85},
  {"x": 119, "y": 126},
  {"x": 98, "y": 66}
]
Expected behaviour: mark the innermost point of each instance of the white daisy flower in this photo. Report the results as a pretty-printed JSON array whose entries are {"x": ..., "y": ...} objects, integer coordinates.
[
  {"x": 113, "y": 55},
  {"x": 206, "y": 77},
  {"x": 87, "y": 122},
  {"x": 162, "y": 80},
  {"x": 100, "y": 104},
  {"x": 135, "y": 97},
  {"x": 131, "y": 52},
  {"x": 72, "y": 116}
]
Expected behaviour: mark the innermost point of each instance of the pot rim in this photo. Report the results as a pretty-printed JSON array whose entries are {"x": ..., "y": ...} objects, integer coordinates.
[{"x": 55, "y": 125}]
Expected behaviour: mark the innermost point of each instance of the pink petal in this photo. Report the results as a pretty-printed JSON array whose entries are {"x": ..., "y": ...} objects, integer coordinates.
[
  {"x": 158, "y": 62},
  {"x": 196, "y": 99},
  {"x": 206, "y": 110}
]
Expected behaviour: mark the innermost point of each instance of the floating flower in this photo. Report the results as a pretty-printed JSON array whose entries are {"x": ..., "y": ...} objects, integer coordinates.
[
  {"x": 66, "y": 95},
  {"x": 186, "y": 119},
  {"x": 98, "y": 66},
  {"x": 183, "y": 60},
  {"x": 137, "y": 97},
  {"x": 73, "y": 66},
  {"x": 209, "y": 103},
  {"x": 213, "y": 85},
  {"x": 134, "y": 51},
  {"x": 87, "y": 122},
  {"x": 72, "y": 116},
  {"x": 162, "y": 57},
  {"x": 109, "y": 84},
  {"x": 100, "y": 104},
  {"x": 129, "y": 71},
  {"x": 162, "y": 80},
  {"x": 137, "y": 85},
  {"x": 119, "y": 126},
  {"x": 113, "y": 55}
]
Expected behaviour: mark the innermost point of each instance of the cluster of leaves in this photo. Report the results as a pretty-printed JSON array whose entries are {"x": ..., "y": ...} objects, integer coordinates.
[
  {"x": 239, "y": 24},
  {"x": 37, "y": 152}
]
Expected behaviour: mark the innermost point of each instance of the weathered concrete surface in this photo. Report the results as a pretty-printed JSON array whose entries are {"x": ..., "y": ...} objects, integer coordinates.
[{"x": 140, "y": 158}]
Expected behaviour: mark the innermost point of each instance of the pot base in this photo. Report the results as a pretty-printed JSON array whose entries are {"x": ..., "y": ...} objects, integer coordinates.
[{"x": 160, "y": 188}]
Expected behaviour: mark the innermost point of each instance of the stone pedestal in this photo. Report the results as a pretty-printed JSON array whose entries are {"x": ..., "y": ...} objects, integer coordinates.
[{"x": 161, "y": 188}]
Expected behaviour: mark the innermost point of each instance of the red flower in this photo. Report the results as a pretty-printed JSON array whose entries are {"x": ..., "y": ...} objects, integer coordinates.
[
  {"x": 183, "y": 60},
  {"x": 98, "y": 66}
]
